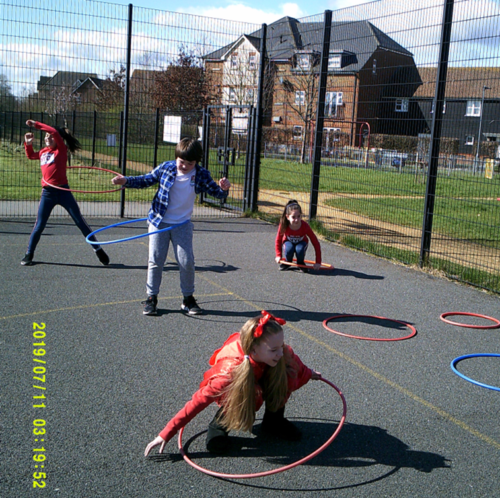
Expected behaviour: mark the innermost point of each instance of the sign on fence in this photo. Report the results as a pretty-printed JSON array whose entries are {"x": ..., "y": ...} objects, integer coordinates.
[{"x": 172, "y": 129}]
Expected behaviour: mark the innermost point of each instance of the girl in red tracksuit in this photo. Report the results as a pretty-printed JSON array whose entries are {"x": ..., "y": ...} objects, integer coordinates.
[
  {"x": 252, "y": 367},
  {"x": 293, "y": 238},
  {"x": 53, "y": 158}
]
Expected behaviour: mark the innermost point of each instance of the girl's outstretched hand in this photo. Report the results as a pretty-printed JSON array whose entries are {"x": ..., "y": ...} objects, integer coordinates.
[
  {"x": 28, "y": 137},
  {"x": 315, "y": 375},
  {"x": 30, "y": 123},
  {"x": 152, "y": 444}
]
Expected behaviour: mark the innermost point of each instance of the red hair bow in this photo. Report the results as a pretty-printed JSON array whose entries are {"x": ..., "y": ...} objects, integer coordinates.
[{"x": 265, "y": 318}]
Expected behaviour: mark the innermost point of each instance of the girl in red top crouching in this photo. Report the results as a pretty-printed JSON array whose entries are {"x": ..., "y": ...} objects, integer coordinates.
[
  {"x": 293, "y": 238},
  {"x": 252, "y": 367}
]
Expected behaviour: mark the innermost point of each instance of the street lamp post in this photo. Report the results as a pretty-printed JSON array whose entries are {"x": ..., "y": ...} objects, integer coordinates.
[{"x": 480, "y": 128}]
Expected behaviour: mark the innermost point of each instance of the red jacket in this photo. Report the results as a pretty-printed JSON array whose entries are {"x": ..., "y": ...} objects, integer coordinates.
[
  {"x": 52, "y": 161},
  {"x": 295, "y": 236},
  {"x": 217, "y": 378}
]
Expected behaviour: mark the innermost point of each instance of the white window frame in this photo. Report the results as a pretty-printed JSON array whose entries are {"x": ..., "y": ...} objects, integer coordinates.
[
  {"x": 444, "y": 107},
  {"x": 297, "y": 132},
  {"x": 402, "y": 105},
  {"x": 250, "y": 93},
  {"x": 232, "y": 95},
  {"x": 334, "y": 61},
  {"x": 234, "y": 61},
  {"x": 303, "y": 61},
  {"x": 252, "y": 62},
  {"x": 300, "y": 97},
  {"x": 469, "y": 139},
  {"x": 473, "y": 108},
  {"x": 332, "y": 101}
]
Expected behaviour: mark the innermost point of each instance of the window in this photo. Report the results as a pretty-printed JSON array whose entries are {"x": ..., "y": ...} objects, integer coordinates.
[
  {"x": 250, "y": 96},
  {"x": 303, "y": 61},
  {"x": 473, "y": 108},
  {"x": 234, "y": 61},
  {"x": 300, "y": 98},
  {"x": 232, "y": 95},
  {"x": 334, "y": 61},
  {"x": 332, "y": 100},
  {"x": 297, "y": 132},
  {"x": 252, "y": 61},
  {"x": 469, "y": 140},
  {"x": 444, "y": 107},
  {"x": 402, "y": 105}
]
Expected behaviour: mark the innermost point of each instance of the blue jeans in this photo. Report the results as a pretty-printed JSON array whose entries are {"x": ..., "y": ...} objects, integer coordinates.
[
  {"x": 51, "y": 197},
  {"x": 289, "y": 249}
]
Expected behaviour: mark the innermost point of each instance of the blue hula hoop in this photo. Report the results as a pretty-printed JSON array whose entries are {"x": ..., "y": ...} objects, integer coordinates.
[
  {"x": 147, "y": 234},
  {"x": 460, "y": 358}
]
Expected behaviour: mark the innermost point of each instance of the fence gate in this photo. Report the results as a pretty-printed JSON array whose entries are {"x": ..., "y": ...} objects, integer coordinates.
[{"x": 228, "y": 151}]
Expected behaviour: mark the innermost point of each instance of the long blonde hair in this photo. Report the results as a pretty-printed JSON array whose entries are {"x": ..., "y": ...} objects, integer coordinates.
[{"x": 238, "y": 399}]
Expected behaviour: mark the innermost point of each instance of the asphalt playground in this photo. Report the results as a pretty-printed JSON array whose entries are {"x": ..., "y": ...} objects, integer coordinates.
[{"x": 113, "y": 377}]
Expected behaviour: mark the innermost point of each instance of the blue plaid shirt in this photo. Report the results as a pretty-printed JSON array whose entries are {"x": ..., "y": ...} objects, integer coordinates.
[{"x": 165, "y": 174}]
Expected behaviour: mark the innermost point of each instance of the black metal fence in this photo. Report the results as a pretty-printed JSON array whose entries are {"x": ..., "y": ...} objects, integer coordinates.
[{"x": 381, "y": 122}]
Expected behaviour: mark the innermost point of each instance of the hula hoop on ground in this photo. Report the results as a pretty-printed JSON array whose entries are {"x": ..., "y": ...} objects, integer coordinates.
[
  {"x": 88, "y": 191},
  {"x": 126, "y": 239},
  {"x": 280, "y": 469},
  {"x": 324, "y": 266},
  {"x": 460, "y": 358},
  {"x": 453, "y": 313},
  {"x": 413, "y": 329}
]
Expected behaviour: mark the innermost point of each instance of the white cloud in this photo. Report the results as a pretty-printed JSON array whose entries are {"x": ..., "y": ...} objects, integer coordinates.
[{"x": 240, "y": 12}]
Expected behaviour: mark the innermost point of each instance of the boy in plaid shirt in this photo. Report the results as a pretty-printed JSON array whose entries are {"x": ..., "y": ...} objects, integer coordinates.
[{"x": 173, "y": 204}]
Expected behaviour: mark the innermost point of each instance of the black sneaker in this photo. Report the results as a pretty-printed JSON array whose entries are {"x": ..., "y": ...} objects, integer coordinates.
[
  {"x": 27, "y": 260},
  {"x": 284, "y": 267},
  {"x": 189, "y": 304},
  {"x": 150, "y": 305},
  {"x": 102, "y": 256},
  {"x": 304, "y": 270}
]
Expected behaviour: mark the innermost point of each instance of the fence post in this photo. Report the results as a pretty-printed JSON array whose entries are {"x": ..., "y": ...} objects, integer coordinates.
[
  {"x": 94, "y": 135},
  {"x": 258, "y": 120},
  {"x": 320, "y": 116},
  {"x": 437, "y": 119},
  {"x": 157, "y": 127},
  {"x": 123, "y": 144}
]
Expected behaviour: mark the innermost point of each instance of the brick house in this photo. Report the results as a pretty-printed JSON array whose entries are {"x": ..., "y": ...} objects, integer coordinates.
[{"x": 363, "y": 62}]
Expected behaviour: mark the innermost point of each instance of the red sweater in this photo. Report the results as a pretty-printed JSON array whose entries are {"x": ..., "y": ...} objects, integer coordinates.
[
  {"x": 52, "y": 161},
  {"x": 217, "y": 378},
  {"x": 295, "y": 236}
]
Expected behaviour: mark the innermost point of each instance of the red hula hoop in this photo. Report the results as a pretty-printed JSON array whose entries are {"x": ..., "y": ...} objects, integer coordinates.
[
  {"x": 462, "y": 313},
  {"x": 87, "y": 191},
  {"x": 280, "y": 469},
  {"x": 413, "y": 329},
  {"x": 324, "y": 266}
]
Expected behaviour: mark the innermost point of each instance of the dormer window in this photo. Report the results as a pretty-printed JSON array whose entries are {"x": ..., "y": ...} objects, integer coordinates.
[
  {"x": 303, "y": 61},
  {"x": 335, "y": 61}
]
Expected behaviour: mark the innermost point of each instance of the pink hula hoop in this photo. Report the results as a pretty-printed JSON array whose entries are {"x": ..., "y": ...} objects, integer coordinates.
[
  {"x": 462, "y": 313},
  {"x": 87, "y": 191},
  {"x": 280, "y": 469},
  {"x": 413, "y": 329}
]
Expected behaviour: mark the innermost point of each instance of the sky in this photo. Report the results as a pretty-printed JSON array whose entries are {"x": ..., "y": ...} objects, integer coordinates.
[{"x": 256, "y": 11}]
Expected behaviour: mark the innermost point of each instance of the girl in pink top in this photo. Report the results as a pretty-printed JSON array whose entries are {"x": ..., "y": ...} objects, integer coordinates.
[{"x": 293, "y": 238}]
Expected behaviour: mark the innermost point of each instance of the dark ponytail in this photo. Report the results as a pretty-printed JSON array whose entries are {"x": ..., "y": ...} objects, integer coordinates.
[{"x": 72, "y": 143}]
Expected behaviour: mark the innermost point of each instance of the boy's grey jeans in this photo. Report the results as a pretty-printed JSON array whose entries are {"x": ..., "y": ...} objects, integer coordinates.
[{"x": 182, "y": 243}]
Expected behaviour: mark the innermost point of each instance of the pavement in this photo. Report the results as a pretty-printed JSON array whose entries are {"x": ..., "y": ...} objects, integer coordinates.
[{"x": 114, "y": 377}]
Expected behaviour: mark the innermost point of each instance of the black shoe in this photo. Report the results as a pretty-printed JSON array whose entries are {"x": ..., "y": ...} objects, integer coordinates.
[
  {"x": 189, "y": 304},
  {"x": 150, "y": 305},
  {"x": 304, "y": 270},
  {"x": 27, "y": 260},
  {"x": 276, "y": 425},
  {"x": 284, "y": 267},
  {"x": 102, "y": 256},
  {"x": 217, "y": 437}
]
